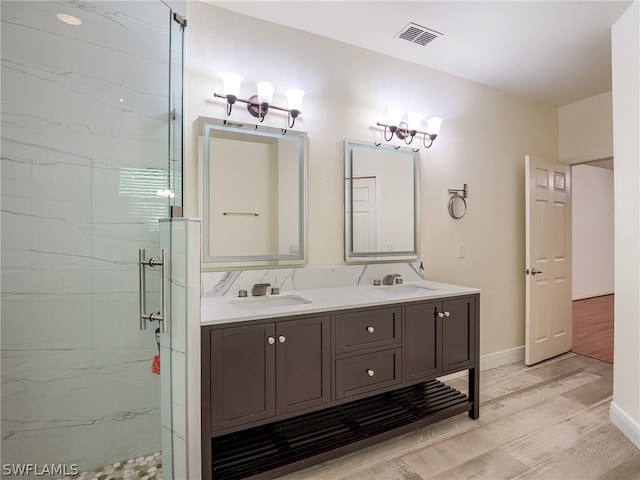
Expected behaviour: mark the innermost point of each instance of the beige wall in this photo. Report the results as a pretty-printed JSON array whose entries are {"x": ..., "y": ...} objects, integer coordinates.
[
  {"x": 592, "y": 232},
  {"x": 626, "y": 125},
  {"x": 485, "y": 135},
  {"x": 586, "y": 130}
]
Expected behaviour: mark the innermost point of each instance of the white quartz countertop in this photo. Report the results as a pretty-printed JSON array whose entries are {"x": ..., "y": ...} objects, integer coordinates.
[{"x": 229, "y": 308}]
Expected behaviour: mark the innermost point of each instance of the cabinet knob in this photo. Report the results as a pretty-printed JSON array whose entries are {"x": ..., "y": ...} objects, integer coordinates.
[
  {"x": 447, "y": 314},
  {"x": 371, "y": 329},
  {"x": 370, "y": 372},
  {"x": 282, "y": 339},
  {"x": 271, "y": 340},
  {"x": 440, "y": 314}
]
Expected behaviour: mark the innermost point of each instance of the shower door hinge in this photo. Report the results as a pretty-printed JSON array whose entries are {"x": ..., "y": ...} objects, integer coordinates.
[
  {"x": 180, "y": 19},
  {"x": 176, "y": 211}
]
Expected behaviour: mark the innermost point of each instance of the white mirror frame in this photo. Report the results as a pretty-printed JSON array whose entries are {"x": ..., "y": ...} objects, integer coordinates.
[
  {"x": 217, "y": 262},
  {"x": 378, "y": 256}
]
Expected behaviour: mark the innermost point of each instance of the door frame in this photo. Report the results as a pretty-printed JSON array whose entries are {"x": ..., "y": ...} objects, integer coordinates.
[{"x": 606, "y": 163}]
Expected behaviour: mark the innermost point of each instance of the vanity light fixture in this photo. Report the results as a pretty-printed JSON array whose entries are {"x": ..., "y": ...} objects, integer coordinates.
[
  {"x": 409, "y": 129},
  {"x": 259, "y": 105}
]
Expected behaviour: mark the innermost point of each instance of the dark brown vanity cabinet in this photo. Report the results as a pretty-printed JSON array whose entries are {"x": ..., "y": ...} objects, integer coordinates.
[
  {"x": 439, "y": 337},
  {"x": 367, "y": 328},
  {"x": 266, "y": 369},
  {"x": 367, "y": 349},
  {"x": 303, "y": 369},
  {"x": 242, "y": 386},
  {"x": 420, "y": 341},
  {"x": 283, "y": 394},
  {"x": 458, "y": 319}
]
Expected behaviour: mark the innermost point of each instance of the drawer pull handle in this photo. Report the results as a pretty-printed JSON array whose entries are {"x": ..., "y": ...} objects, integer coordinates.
[
  {"x": 371, "y": 329},
  {"x": 271, "y": 340},
  {"x": 370, "y": 372},
  {"x": 282, "y": 339}
]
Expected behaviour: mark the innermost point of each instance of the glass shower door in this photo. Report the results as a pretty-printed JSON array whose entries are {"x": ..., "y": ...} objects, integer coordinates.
[
  {"x": 85, "y": 181},
  {"x": 174, "y": 237}
]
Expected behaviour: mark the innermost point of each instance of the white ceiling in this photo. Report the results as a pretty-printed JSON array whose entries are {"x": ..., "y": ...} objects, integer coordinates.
[{"x": 557, "y": 52}]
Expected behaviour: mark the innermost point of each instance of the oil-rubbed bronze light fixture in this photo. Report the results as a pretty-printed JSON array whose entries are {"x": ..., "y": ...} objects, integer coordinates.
[
  {"x": 259, "y": 105},
  {"x": 408, "y": 130}
]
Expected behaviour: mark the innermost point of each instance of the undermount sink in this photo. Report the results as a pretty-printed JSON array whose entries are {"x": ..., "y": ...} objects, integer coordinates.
[
  {"x": 404, "y": 288},
  {"x": 254, "y": 303}
]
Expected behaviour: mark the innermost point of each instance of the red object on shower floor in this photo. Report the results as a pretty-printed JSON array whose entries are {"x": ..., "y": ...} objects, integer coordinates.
[{"x": 155, "y": 364}]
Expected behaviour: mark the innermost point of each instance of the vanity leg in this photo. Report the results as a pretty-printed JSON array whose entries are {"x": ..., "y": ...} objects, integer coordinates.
[{"x": 474, "y": 392}]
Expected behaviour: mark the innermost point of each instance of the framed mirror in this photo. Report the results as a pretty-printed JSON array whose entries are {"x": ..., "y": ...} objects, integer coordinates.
[
  {"x": 381, "y": 202},
  {"x": 253, "y": 201}
]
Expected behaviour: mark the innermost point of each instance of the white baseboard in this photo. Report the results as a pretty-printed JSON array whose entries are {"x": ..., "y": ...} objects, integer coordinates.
[
  {"x": 593, "y": 295},
  {"x": 627, "y": 425},
  {"x": 497, "y": 359},
  {"x": 493, "y": 360}
]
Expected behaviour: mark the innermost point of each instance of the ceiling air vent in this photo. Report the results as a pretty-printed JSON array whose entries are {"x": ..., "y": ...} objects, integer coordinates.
[{"x": 415, "y": 33}]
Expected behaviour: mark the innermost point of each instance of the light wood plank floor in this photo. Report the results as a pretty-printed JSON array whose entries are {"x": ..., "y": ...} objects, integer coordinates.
[
  {"x": 549, "y": 421},
  {"x": 593, "y": 327}
]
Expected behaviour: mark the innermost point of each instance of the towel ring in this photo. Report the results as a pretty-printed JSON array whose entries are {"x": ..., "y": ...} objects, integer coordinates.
[
  {"x": 457, "y": 206},
  {"x": 457, "y": 202}
]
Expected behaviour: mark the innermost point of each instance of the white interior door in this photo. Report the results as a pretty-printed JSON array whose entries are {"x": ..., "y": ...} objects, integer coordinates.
[{"x": 547, "y": 259}]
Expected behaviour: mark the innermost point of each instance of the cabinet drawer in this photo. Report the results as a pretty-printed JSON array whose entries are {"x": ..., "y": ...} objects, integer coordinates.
[
  {"x": 366, "y": 373},
  {"x": 367, "y": 329}
]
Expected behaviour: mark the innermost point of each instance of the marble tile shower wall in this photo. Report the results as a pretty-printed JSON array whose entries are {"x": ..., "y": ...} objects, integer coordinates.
[
  {"x": 84, "y": 115},
  {"x": 228, "y": 283}
]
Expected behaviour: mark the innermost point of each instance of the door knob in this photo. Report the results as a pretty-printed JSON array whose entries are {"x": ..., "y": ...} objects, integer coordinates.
[
  {"x": 282, "y": 339},
  {"x": 271, "y": 340},
  {"x": 532, "y": 271}
]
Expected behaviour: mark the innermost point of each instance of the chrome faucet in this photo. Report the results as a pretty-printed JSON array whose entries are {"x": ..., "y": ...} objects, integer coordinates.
[
  {"x": 259, "y": 289},
  {"x": 391, "y": 279}
]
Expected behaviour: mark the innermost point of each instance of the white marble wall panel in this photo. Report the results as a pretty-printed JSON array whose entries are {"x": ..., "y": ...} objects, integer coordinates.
[
  {"x": 301, "y": 278},
  {"x": 180, "y": 352},
  {"x": 84, "y": 150}
]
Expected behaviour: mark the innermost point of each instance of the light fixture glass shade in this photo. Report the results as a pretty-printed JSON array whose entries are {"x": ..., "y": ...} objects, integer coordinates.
[
  {"x": 395, "y": 116},
  {"x": 231, "y": 83},
  {"x": 414, "y": 120},
  {"x": 433, "y": 125},
  {"x": 294, "y": 99},
  {"x": 265, "y": 91}
]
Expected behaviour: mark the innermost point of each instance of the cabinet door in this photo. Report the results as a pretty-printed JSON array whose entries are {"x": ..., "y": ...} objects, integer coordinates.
[
  {"x": 458, "y": 334},
  {"x": 302, "y": 364},
  {"x": 242, "y": 375},
  {"x": 420, "y": 342}
]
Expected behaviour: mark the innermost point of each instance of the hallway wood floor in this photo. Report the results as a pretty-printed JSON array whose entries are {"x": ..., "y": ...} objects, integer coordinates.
[
  {"x": 549, "y": 421},
  {"x": 593, "y": 327}
]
